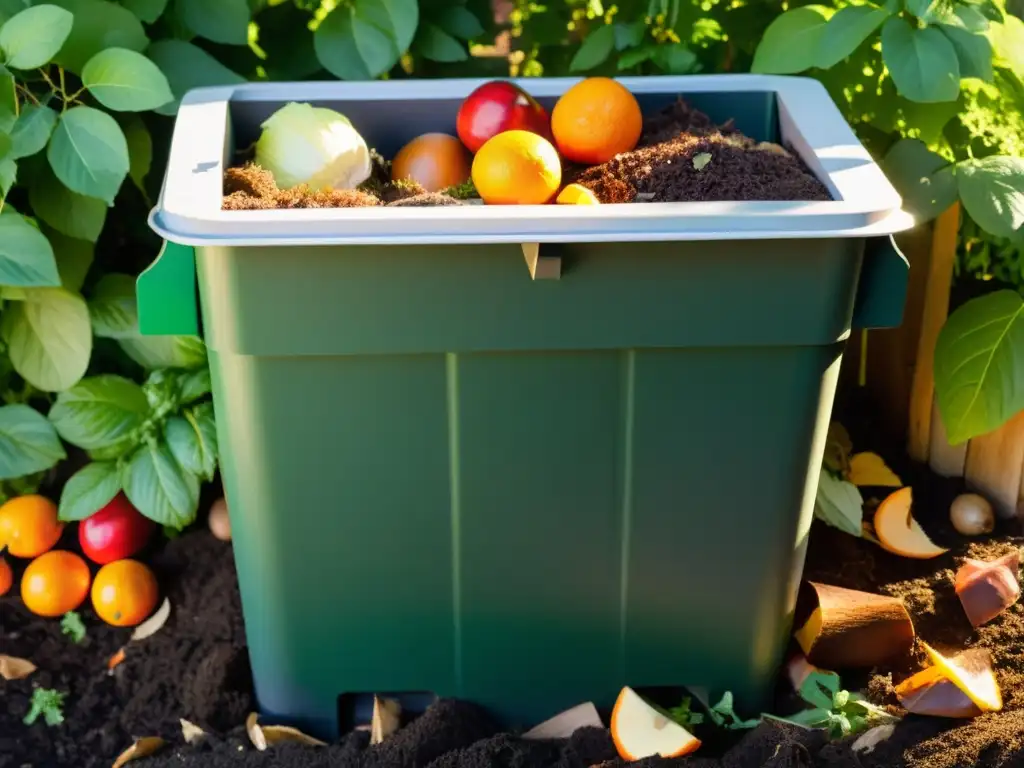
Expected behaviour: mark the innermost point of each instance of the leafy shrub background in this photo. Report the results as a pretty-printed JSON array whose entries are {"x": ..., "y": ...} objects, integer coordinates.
[{"x": 88, "y": 89}]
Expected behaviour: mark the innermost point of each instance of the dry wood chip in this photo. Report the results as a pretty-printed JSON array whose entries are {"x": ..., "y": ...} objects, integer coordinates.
[
  {"x": 386, "y": 719},
  {"x": 868, "y": 740},
  {"x": 268, "y": 735},
  {"x": 13, "y": 668},
  {"x": 143, "y": 747},
  {"x": 154, "y": 623}
]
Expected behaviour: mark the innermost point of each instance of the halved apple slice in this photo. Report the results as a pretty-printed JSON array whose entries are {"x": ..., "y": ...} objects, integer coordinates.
[
  {"x": 897, "y": 530},
  {"x": 971, "y": 672},
  {"x": 639, "y": 730}
]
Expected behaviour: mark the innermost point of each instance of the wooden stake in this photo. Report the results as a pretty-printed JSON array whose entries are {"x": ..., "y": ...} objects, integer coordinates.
[{"x": 848, "y": 628}]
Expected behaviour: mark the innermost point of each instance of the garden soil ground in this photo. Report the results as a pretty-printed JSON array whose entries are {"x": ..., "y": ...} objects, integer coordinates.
[{"x": 196, "y": 668}]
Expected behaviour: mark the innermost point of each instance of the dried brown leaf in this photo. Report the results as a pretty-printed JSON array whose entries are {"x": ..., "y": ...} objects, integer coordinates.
[
  {"x": 144, "y": 747},
  {"x": 190, "y": 731},
  {"x": 386, "y": 719},
  {"x": 275, "y": 734},
  {"x": 154, "y": 623},
  {"x": 13, "y": 668},
  {"x": 255, "y": 732}
]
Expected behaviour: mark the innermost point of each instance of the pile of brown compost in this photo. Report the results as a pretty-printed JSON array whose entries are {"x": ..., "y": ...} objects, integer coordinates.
[
  {"x": 197, "y": 668},
  {"x": 682, "y": 156}
]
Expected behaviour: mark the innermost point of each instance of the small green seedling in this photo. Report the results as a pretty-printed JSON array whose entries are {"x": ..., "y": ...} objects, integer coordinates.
[
  {"x": 684, "y": 714},
  {"x": 48, "y": 703},
  {"x": 72, "y": 626},
  {"x": 840, "y": 712},
  {"x": 724, "y": 716}
]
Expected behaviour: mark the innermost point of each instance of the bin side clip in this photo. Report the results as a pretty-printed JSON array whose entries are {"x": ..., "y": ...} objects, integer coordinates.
[
  {"x": 882, "y": 288},
  {"x": 166, "y": 293},
  {"x": 543, "y": 261}
]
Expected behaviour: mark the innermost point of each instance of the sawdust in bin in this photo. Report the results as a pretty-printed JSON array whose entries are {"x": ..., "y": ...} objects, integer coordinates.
[{"x": 252, "y": 188}]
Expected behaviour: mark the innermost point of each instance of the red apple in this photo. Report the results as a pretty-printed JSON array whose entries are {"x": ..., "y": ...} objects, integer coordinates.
[
  {"x": 496, "y": 107},
  {"x": 117, "y": 531}
]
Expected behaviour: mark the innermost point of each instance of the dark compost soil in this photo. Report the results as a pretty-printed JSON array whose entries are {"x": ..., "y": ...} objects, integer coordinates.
[
  {"x": 196, "y": 668},
  {"x": 662, "y": 168}
]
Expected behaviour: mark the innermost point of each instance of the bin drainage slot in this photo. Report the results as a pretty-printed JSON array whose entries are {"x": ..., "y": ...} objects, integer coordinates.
[
  {"x": 355, "y": 710},
  {"x": 543, "y": 261}
]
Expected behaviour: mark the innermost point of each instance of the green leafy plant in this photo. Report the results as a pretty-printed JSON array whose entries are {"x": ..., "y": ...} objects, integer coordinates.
[
  {"x": 723, "y": 714},
  {"x": 72, "y": 625},
  {"x": 157, "y": 442},
  {"x": 48, "y": 704},
  {"x": 839, "y": 711}
]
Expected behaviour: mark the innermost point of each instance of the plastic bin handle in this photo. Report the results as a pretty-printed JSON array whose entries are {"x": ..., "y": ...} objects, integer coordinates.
[
  {"x": 882, "y": 288},
  {"x": 166, "y": 293}
]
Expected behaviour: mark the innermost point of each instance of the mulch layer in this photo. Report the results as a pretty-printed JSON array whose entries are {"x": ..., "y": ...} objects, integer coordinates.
[
  {"x": 682, "y": 156},
  {"x": 196, "y": 668}
]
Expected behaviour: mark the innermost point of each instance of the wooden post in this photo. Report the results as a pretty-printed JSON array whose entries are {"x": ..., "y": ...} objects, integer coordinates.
[{"x": 994, "y": 465}]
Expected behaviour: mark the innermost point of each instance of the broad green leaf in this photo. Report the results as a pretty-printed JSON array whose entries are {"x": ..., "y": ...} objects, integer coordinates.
[
  {"x": 636, "y": 56},
  {"x": 839, "y": 504},
  {"x": 74, "y": 257},
  {"x": 8, "y": 175},
  {"x": 148, "y": 11},
  {"x": 28, "y": 442},
  {"x": 435, "y": 44},
  {"x": 26, "y": 257},
  {"x": 630, "y": 35},
  {"x": 968, "y": 18},
  {"x": 99, "y": 24},
  {"x": 8, "y": 8},
  {"x": 8, "y": 110},
  {"x": 792, "y": 41},
  {"x": 459, "y": 21},
  {"x": 222, "y": 21},
  {"x": 193, "y": 442},
  {"x": 5, "y": 146},
  {"x": 152, "y": 352},
  {"x": 930, "y": 11},
  {"x": 979, "y": 360},
  {"x": 49, "y": 338},
  {"x": 89, "y": 153},
  {"x": 845, "y": 32},
  {"x": 596, "y": 48},
  {"x": 289, "y": 49},
  {"x": 89, "y": 490},
  {"x": 33, "y": 37},
  {"x": 924, "y": 179},
  {"x": 159, "y": 488},
  {"x": 32, "y": 130},
  {"x": 194, "y": 385},
  {"x": 676, "y": 58},
  {"x": 67, "y": 212},
  {"x": 364, "y": 39},
  {"x": 992, "y": 191},
  {"x": 973, "y": 52},
  {"x": 113, "y": 307},
  {"x": 922, "y": 62},
  {"x": 140, "y": 149},
  {"x": 186, "y": 67},
  {"x": 1008, "y": 41},
  {"x": 99, "y": 411},
  {"x": 126, "y": 81}
]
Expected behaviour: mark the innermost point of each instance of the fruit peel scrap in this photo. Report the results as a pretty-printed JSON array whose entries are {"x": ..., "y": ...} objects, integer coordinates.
[
  {"x": 144, "y": 747},
  {"x": 13, "y": 668},
  {"x": 639, "y": 730},
  {"x": 960, "y": 686},
  {"x": 870, "y": 469},
  {"x": 987, "y": 588},
  {"x": 897, "y": 530}
]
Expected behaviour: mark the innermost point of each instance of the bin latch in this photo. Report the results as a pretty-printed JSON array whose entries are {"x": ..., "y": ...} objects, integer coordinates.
[
  {"x": 166, "y": 293},
  {"x": 543, "y": 261}
]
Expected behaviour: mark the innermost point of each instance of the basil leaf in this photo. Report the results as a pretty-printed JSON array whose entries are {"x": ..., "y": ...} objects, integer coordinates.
[
  {"x": 28, "y": 442},
  {"x": 89, "y": 490},
  {"x": 159, "y": 488},
  {"x": 100, "y": 411}
]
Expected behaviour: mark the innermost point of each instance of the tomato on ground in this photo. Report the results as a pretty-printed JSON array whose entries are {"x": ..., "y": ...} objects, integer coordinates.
[
  {"x": 124, "y": 593},
  {"x": 55, "y": 583},
  {"x": 6, "y": 577},
  {"x": 115, "y": 532},
  {"x": 29, "y": 525}
]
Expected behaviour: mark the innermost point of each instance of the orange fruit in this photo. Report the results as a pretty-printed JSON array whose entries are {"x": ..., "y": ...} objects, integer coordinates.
[
  {"x": 55, "y": 583},
  {"x": 517, "y": 168},
  {"x": 29, "y": 525},
  {"x": 124, "y": 593},
  {"x": 639, "y": 730},
  {"x": 6, "y": 577},
  {"x": 576, "y": 194},
  {"x": 897, "y": 530},
  {"x": 435, "y": 161},
  {"x": 595, "y": 120}
]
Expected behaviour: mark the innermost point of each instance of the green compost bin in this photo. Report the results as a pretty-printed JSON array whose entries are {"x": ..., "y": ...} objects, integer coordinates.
[{"x": 520, "y": 455}]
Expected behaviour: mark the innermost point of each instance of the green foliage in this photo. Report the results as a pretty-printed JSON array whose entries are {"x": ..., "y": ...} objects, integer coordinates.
[
  {"x": 71, "y": 624},
  {"x": 839, "y": 711},
  {"x": 48, "y": 704}
]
